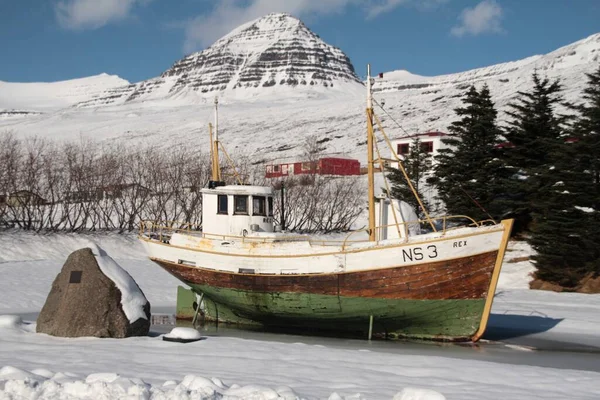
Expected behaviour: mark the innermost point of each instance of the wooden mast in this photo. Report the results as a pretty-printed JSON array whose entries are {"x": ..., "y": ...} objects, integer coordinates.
[
  {"x": 214, "y": 145},
  {"x": 370, "y": 158}
]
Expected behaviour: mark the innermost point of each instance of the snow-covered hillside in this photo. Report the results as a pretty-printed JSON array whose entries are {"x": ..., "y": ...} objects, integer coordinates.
[
  {"x": 273, "y": 55},
  {"x": 17, "y": 99},
  {"x": 427, "y": 103},
  {"x": 270, "y": 122}
]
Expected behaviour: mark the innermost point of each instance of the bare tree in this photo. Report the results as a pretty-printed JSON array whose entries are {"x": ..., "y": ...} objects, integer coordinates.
[
  {"x": 325, "y": 205},
  {"x": 10, "y": 154}
]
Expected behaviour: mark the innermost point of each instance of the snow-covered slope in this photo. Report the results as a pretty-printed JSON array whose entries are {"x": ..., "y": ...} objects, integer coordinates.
[
  {"x": 270, "y": 122},
  {"x": 275, "y": 54},
  {"x": 428, "y": 103},
  {"x": 18, "y": 99}
]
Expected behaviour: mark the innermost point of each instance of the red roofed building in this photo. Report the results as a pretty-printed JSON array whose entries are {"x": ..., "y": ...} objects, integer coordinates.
[{"x": 323, "y": 166}]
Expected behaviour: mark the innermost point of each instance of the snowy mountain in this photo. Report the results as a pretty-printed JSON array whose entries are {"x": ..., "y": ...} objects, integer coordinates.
[
  {"x": 19, "y": 99},
  {"x": 427, "y": 103},
  {"x": 267, "y": 121},
  {"x": 274, "y": 51}
]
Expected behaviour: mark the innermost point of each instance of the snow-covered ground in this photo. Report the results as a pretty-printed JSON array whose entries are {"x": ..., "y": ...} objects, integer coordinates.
[{"x": 37, "y": 366}]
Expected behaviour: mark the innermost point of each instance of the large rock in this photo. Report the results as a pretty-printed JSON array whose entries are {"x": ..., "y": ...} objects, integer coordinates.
[{"x": 93, "y": 296}]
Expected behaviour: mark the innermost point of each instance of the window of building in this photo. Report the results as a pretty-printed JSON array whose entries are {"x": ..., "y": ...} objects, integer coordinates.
[
  {"x": 222, "y": 204},
  {"x": 427, "y": 147},
  {"x": 259, "y": 205},
  {"x": 241, "y": 204},
  {"x": 275, "y": 168},
  {"x": 270, "y": 206},
  {"x": 307, "y": 166},
  {"x": 403, "y": 149}
]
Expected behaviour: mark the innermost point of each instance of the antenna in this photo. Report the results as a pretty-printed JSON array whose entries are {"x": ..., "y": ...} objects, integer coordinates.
[
  {"x": 216, "y": 118},
  {"x": 214, "y": 145},
  {"x": 369, "y": 84}
]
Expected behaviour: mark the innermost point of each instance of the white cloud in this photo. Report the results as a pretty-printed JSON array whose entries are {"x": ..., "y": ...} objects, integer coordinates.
[
  {"x": 383, "y": 7},
  {"x": 92, "y": 14},
  {"x": 485, "y": 17},
  {"x": 228, "y": 14}
]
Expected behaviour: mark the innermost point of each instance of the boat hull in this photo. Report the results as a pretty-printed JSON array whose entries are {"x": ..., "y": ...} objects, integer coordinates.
[{"x": 438, "y": 300}]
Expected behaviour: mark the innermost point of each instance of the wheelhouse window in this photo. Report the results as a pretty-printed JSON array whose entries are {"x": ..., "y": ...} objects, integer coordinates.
[
  {"x": 270, "y": 206},
  {"x": 427, "y": 147},
  {"x": 403, "y": 149},
  {"x": 259, "y": 205},
  {"x": 240, "y": 204},
  {"x": 222, "y": 204}
]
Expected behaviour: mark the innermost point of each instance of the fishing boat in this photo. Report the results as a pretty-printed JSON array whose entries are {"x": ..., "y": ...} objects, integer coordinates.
[{"x": 399, "y": 282}]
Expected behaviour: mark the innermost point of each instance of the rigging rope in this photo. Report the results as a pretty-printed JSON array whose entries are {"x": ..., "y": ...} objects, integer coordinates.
[{"x": 452, "y": 180}]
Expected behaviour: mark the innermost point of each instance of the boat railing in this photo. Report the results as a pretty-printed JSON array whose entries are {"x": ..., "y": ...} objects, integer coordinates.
[
  {"x": 445, "y": 226},
  {"x": 164, "y": 230}
]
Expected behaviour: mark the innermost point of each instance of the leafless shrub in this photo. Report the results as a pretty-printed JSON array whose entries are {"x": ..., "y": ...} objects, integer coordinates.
[
  {"x": 326, "y": 204},
  {"x": 88, "y": 186}
]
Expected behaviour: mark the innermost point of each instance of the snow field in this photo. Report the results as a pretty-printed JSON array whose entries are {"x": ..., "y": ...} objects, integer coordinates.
[{"x": 38, "y": 366}]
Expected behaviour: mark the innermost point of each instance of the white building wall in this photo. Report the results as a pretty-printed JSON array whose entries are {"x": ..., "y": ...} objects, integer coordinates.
[{"x": 429, "y": 192}]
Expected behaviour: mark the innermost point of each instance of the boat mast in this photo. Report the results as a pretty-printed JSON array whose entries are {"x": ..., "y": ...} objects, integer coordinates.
[
  {"x": 370, "y": 162},
  {"x": 214, "y": 145}
]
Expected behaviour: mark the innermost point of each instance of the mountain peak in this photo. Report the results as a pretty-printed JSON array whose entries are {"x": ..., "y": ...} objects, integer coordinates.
[
  {"x": 269, "y": 22},
  {"x": 274, "y": 50},
  {"x": 266, "y": 55}
]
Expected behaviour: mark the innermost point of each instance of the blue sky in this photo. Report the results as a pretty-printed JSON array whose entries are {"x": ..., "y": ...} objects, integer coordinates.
[{"x": 49, "y": 40}]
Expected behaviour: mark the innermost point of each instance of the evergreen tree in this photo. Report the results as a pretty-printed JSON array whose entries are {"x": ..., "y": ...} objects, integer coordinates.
[
  {"x": 547, "y": 181},
  {"x": 534, "y": 134},
  {"x": 467, "y": 173},
  {"x": 417, "y": 164},
  {"x": 586, "y": 148},
  {"x": 558, "y": 232}
]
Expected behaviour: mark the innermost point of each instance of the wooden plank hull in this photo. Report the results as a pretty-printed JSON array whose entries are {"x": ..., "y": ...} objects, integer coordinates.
[{"x": 436, "y": 300}]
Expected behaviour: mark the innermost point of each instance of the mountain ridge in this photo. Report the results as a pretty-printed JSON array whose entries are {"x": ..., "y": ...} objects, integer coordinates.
[
  {"x": 272, "y": 51},
  {"x": 272, "y": 122}
]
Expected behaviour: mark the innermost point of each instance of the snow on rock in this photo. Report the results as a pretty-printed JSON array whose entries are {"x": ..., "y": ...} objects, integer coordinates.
[
  {"x": 418, "y": 394},
  {"x": 132, "y": 298},
  {"x": 184, "y": 333}
]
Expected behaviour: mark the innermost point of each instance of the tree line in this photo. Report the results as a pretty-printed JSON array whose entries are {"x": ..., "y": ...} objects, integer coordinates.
[
  {"x": 541, "y": 168},
  {"x": 48, "y": 186}
]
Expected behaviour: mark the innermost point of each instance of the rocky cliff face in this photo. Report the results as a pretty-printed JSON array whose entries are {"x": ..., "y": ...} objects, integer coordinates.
[{"x": 272, "y": 51}]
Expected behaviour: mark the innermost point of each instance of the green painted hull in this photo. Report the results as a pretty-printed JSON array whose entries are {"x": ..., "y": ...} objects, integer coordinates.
[{"x": 449, "y": 319}]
